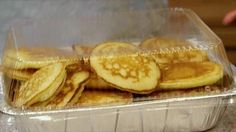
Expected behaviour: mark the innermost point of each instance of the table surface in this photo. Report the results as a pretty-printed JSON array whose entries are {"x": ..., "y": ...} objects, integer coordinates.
[{"x": 228, "y": 122}]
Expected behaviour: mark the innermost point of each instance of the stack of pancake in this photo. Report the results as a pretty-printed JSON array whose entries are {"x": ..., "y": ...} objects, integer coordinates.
[{"x": 110, "y": 73}]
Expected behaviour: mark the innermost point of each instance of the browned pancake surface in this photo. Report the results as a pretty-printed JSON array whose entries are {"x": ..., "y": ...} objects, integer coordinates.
[{"x": 102, "y": 97}]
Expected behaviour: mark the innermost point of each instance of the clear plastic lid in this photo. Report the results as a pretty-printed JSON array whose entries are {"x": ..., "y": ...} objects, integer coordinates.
[{"x": 112, "y": 60}]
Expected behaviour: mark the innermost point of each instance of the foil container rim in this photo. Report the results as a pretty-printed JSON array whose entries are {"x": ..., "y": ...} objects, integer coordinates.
[{"x": 7, "y": 109}]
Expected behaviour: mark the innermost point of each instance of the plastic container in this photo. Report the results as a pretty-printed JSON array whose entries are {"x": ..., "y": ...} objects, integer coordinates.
[{"x": 178, "y": 113}]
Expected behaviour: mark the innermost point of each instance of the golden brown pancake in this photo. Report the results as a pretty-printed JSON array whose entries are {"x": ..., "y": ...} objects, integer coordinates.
[
  {"x": 21, "y": 75},
  {"x": 35, "y": 58},
  {"x": 44, "y": 103},
  {"x": 166, "y": 50},
  {"x": 95, "y": 82},
  {"x": 121, "y": 66},
  {"x": 161, "y": 43},
  {"x": 68, "y": 91},
  {"x": 77, "y": 94},
  {"x": 42, "y": 85},
  {"x": 190, "y": 74},
  {"x": 102, "y": 97},
  {"x": 14, "y": 89}
]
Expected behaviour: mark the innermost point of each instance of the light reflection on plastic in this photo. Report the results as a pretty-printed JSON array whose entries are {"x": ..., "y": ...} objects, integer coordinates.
[
  {"x": 42, "y": 118},
  {"x": 1, "y": 84},
  {"x": 231, "y": 101},
  {"x": 10, "y": 120}
]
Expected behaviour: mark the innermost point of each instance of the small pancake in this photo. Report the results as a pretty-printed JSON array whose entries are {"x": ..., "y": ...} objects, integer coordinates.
[
  {"x": 35, "y": 58},
  {"x": 49, "y": 92},
  {"x": 168, "y": 94},
  {"x": 21, "y": 75},
  {"x": 123, "y": 67},
  {"x": 166, "y": 50},
  {"x": 42, "y": 85},
  {"x": 102, "y": 97},
  {"x": 14, "y": 89},
  {"x": 77, "y": 94},
  {"x": 68, "y": 91},
  {"x": 44, "y": 103},
  {"x": 162, "y": 43},
  {"x": 190, "y": 74},
  {"x": 95, "y": 82}
]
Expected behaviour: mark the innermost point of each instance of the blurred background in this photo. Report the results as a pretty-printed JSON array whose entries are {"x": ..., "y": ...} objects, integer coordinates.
[
  {"x": 14, "y": 11},
  {"x": 212, "y": 12}
]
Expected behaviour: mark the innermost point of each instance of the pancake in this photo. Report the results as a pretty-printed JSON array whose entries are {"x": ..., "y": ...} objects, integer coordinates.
[
  {"x": 77, "y": 94},
  {"x": 21, "y": 75},
  {"x": 121, "y": 66},
  {"x": 42, "y": 85},
  {"x": 162, "y": 43},
  {"x": 44, "y": 103},
  {"x": 96, "y": 82},
  {"x": 14, "y": 89},
  {"x": 166, "y": 50},
  {"x": 49, "y": 92},
  {"x": 35, "y": 58},
  {"x": 68, "y": 91},
  {"x": 102, "y": 97},
  {"x": 190, "y": 74}
]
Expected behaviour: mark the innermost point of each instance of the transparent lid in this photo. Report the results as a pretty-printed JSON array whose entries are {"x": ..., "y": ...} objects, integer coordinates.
[{"x": 113, "y": 59}]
